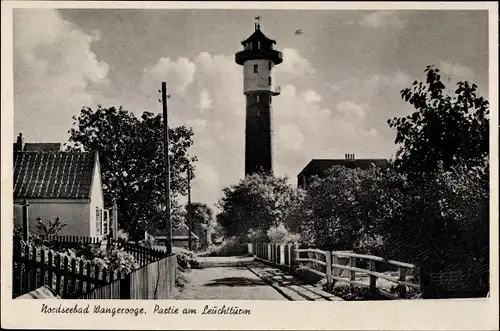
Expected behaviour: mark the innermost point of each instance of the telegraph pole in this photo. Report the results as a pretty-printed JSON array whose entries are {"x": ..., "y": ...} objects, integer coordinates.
[
  {"x": 189, "y": 215},
  {"x": 168, "y": 221}
]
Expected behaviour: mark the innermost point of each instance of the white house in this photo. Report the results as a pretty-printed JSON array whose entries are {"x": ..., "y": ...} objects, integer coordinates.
[{"x": 59, "y": 184}]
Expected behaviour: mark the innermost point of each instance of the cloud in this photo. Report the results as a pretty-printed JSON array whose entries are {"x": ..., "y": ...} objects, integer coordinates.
[
  {"x": 382, "y": 18},
  {"x": 205, "y": 100},
  {"x": 54, "y": 70},
  {"x": 293, "y": 63},
  {"x": 350, "y": 109},
  {"x": 456, "y": 70},
  {"x": 179, "y": 74},
  {"x": 311, "y": 96}
]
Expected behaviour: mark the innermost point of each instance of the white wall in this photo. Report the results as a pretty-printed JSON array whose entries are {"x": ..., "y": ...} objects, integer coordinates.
[
  {"x": 73, "y": 213},
  {"x": 257, "y": 81},
  {"x": 96, "y": 199}
]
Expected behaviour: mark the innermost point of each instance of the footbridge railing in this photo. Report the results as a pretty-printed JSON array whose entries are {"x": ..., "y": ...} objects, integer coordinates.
[{"x": 339, "y": 266}]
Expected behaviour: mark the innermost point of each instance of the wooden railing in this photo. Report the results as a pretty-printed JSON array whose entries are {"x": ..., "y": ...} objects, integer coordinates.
[{"x": 341, "y": 266}]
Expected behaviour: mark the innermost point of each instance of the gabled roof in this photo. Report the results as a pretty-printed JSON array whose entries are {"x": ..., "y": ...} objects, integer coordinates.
[
  {"x": 320, "y": 166},
  {"x": 42, "y": 147},
  {"x": 53, "y": 175},
  {"x": 258, "y": 35},
  {"x": 181, "y": 232}
]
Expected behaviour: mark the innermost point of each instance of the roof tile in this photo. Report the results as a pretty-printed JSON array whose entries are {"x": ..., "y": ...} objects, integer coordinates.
[{"x": 52, "y": 175}]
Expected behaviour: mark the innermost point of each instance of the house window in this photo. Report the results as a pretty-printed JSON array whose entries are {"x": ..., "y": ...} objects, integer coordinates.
[
  {"x": 255, "y": 68},
  {"x": 98, "y": 220},
  {"x": 105, "y": 222},
  {"x": 257, "y": 98},
  {"x": 269, "y": 81}
]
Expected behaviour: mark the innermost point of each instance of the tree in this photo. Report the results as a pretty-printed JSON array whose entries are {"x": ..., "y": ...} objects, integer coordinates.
[
  {"x": 132, "y": 163},
  {"x": 202, "y": 220},
  {"x": 256, "y": 203},
  {"x": 201, "y": 215},
  {"x": 348, "y": 209},
  {"x": 443, "y": 130}
]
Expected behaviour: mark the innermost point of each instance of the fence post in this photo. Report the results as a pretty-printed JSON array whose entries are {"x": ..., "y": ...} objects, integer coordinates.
[
  {"x": 328, "y": 258},
  {"x": 402, "y": 278},
  {"x": 293, "y": 253},
  {"x": 125, "y": 287},
  {"x": 352, "y": 263},
  {"x": 250, "y": 248},
  {"x": 114, "y": 217},
  {"x": 335, "y": 260},
  {"x": 310, "y": 256},
  {"x": 26, "y": 231},
  {"x": 269, "y": 251},
  {"x": 282, "y": 254},
  {"x": 373, "y": 279}
]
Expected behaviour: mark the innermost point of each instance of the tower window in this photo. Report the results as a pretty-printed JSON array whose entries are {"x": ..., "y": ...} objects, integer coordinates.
[
  {"x": 255, "y": 68},
  {"x": 269, "y": 80},
  {"x": 257, "y": 98},
  {"x": 258, "y": 45}
]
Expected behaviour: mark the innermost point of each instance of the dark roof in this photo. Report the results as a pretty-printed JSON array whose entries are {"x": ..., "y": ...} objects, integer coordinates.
[
  {"x": 53, "y": 175},
  {"x": 181, "y": 232},
  {"x": 258, "y": 35},
  {"x": 320, "y": 166},
  {"x": 42, "y": 147}
]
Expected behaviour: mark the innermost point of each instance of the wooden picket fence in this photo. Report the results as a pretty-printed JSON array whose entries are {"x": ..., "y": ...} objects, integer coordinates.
[
  {"x": 69, "y": 277},
  {"x": 338, "y": 266}
]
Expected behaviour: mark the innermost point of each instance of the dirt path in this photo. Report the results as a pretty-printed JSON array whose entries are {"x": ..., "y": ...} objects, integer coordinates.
[{"x": 226, "y": 283}]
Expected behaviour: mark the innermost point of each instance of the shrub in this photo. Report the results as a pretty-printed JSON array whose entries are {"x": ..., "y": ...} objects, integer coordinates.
[
  {"x": 185, "y": 258},
  {"x": 229, "y": 247},
  {"x": 122, "y": 235},
  {"x": 280, "y": 235},
  {"x": 257, "y": 235}
]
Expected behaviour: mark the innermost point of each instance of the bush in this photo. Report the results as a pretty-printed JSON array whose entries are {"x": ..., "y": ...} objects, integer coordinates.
[
  {"x": 185, "y": 258},
  {"x": 280, "y": 235},
  {"x": 122, "y": 235},
  {"x": 230, "y": 247}
]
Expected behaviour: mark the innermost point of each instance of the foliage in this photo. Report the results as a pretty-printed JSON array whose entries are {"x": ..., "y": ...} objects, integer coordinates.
[
  {"x": 49, "y": 228},
  {"x": 443, "y": 129},
  {"x": 257, "y": 202},
  {"x": 132, "y": 163},
  {"x": 203, "y": 222},
  {"x": 281, "y": 235},
  {"x": 201, "y": 214},
  {"x": 347, "y": 209},
  {"x": 356, "y": 293},
  {"x": 115, "y": 258},
  {"x": 186, "y": 259},
  {"x": 258, "y": 235},
  {"x": 232, "y": 246},
  {"x": 122, "y": 235}
]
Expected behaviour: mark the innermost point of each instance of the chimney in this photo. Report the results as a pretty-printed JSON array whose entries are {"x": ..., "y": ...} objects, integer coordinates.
[
  {"x": 349, "y": 157},
  {"x": 19, "y": 143}
]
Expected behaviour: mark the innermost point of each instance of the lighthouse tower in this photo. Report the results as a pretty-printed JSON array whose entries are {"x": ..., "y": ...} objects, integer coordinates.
[{"x": 258, "y": 60}]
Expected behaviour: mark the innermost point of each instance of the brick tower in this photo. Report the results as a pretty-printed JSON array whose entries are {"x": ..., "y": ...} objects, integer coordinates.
[{"x": 258, "y": 60}]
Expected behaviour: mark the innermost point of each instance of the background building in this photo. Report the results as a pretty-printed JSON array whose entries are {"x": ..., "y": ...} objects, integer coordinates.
[{"x": 319, "y": 167}]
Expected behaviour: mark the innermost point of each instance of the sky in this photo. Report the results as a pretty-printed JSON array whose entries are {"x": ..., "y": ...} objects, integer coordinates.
[{"x": 340, "y": 79}]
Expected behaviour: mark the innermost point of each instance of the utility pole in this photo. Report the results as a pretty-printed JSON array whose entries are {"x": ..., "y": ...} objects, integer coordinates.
[
  {"x": 168, "y": 220},
  {"x": 189, "y": 215}
]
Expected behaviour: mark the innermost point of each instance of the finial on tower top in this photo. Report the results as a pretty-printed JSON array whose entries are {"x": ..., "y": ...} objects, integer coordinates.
[{"x": 257, "y": 22}]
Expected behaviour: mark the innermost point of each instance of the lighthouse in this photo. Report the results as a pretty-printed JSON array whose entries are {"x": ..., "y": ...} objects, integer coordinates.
[{"x": 258, "y": 59}]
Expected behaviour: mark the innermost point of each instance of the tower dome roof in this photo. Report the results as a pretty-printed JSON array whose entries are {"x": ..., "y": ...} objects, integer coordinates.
[{"x": 258, "y": 35}]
